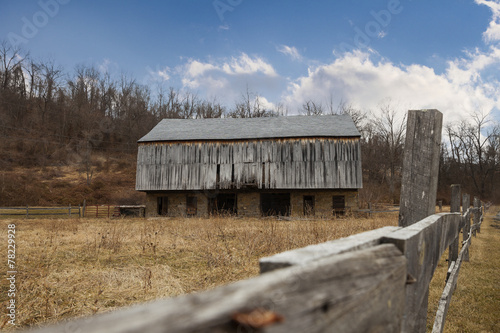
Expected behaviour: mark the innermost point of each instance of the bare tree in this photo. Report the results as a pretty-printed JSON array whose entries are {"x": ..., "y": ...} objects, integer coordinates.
[
  {"x": 50, "y": 74},
  {"x": 390, "y": 129},
  {"x": 475, "y": 151},
  {"x": 311, "y": 108},
  {"x": 250, "y": 106},
  {"x": 206, "y": 109},
  {"x": 358, "y": 116},
  {"x": 10, "y": 59}
]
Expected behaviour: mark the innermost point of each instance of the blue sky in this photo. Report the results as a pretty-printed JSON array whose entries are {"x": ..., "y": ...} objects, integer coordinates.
[{"x": 441, "y": 54}]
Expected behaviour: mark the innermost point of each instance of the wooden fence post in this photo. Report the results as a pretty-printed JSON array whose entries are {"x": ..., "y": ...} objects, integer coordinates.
[
  {"x": 27, "y": 211},
  {"x": 420, "y": 166},
  {"x": 418, "y": 197},
  {"x": 477, "y": 215},
  {"x": 466, "y": 217},
  {"x": 440, "y": 204},
  {"x": 454, "y": 208}
]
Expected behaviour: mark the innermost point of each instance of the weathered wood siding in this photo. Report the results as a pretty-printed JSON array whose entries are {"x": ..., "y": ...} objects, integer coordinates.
[{"x": 264, "y": 164}]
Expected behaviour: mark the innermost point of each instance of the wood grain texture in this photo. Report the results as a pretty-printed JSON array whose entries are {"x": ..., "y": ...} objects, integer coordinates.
[
  {"x": 318, "y": 251},
  {"x": 420, "y": 165},
  {"x": 361, "y": 291},
  {"x": 423, "y": 244}
]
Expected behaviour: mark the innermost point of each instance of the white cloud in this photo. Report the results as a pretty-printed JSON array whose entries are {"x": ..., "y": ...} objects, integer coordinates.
[
  {"x": 492, "y": 34},
  {"x": 290, "y": 51},
  {"x": 228, "y": 78},
  {"x": 247, "y": 65},
  {"x": 357, "y": 78},
  {"x": 196, "y": 68},
  {"x": 264, "y": 103},
  {"x": 156, "y": 76},
  {"x": 159, "y": 74},
  {"x": 163, "y": 74}
]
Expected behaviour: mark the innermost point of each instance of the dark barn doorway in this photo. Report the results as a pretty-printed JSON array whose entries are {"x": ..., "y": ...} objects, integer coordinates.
[
  {"x": 224, "y": 204},
  {"x": 275, "y": 204},
  {"x": 308, "y": 205},
  {"x": 191, "y": 206},
  {"x": 162, "y": 206},
  {"x": 338, "y": 205}
]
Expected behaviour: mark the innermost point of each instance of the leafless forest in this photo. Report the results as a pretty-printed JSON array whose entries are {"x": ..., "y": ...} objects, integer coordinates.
[{"x": 88, "y": 121}]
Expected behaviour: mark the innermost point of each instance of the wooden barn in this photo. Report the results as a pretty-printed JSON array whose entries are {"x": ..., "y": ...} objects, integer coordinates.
[{"x": 301, "y": 165}]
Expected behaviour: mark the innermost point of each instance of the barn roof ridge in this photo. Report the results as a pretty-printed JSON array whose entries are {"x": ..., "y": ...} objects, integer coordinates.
[{"x": 252, "y": 128}]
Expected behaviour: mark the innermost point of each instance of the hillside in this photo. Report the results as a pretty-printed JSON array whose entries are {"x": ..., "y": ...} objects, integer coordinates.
[{"x": 112, "y": 182}]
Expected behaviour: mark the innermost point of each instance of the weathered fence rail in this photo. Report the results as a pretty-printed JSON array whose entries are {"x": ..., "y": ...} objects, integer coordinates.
[
  {"x": 454, "y": 268},
  {"x": 27, "y": 211},
  {"x": 362, "y": 283}
]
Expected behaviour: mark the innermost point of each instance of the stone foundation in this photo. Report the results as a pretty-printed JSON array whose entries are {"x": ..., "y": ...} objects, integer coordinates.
[
  {"x": 176, "y": 204},
  {"x": 248, "y": 203}
]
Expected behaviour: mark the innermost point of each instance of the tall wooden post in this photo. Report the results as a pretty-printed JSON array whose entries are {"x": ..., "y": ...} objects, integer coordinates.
[
  {"x": 420, "y": 166},
  {"x": 466, "y": 217},
  {"x": 418, "y": 197},
  {"x": 454, "y": 208}
]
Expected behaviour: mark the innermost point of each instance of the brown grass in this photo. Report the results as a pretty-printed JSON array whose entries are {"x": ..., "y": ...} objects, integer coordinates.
[{"x": 75, "y": 267}]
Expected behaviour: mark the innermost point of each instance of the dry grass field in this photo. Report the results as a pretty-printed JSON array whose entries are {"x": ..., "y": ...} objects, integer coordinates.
[
  {"x": 475, "y": 305},
  {"x": 76, "y": 267}
]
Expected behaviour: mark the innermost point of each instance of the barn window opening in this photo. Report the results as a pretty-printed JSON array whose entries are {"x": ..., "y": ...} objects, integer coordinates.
[
  {"x": 191, "y": 206},
  {"x": 339, "y": 205},
  {"x": 162, "y": 206},
  {"x": 308, "y": 205},
  {"x": 224, "y": 204},
  {"x": 263, "y": 175},
  {"x": 275, "y": 204},
  {"x": 232, "y": 175},
  {"x": 217, "y": 177}
]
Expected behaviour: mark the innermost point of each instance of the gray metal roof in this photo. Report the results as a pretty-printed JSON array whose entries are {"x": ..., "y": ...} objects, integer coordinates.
[{"x": 252, "y": 128}]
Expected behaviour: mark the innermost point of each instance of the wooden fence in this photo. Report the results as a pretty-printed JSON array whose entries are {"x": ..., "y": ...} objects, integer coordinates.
[
  {"x": 28, "y": 212},
  {"x": 101, "y": 211},
  {"x": 96, "y": 211},
  {"x": 109, "y": 211},
  {"x": 367, "y": 282}
]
